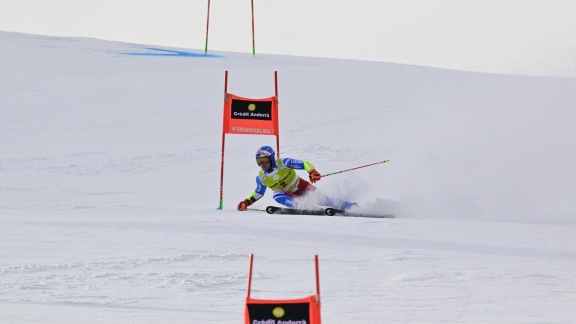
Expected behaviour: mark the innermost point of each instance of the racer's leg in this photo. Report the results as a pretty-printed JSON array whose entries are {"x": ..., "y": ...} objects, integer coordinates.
[
  {"x": 338, "y": 203},
  {"x": 306, "y": 189},
  {"x": 285, "y": 199}
]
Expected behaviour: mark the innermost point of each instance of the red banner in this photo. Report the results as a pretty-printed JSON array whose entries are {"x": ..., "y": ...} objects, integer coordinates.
[
  {"x": 250, "y": 116},
  {"x": 302, "y": 310}
]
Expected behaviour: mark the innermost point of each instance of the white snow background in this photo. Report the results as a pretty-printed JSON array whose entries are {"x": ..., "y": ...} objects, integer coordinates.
[{"x": 109, "y": 183}]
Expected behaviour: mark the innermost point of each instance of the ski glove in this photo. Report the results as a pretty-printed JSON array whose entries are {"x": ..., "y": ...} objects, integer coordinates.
[
  {"x": 245, "y": 203},
  {"x": 314, "y": 175}
]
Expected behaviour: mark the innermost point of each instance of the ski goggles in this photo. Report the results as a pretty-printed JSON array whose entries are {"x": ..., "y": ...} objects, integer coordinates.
[{"x": 262, "y": 160}]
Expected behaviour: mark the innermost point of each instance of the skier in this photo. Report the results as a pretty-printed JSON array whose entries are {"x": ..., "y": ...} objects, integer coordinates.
[{"x": 279, "y": 175}]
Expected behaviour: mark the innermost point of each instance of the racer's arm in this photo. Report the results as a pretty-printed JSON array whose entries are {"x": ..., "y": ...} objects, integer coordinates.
[
  {"x": 303, "y": 165},
  {"x": 254, "y": 196},
  {"x": 298, "y": 164}
]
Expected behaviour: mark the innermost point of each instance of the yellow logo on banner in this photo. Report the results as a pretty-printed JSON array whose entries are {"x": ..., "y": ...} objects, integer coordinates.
[
  {"x": 251, "y": 107},
  {"x": 278, "y": 312}
]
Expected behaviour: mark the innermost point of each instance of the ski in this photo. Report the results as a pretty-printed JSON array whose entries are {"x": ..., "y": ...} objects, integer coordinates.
[
  {"x": 352, "y": 213},
  {"x": 295, "y": 211},
  {"x": 322, "y": 212}
]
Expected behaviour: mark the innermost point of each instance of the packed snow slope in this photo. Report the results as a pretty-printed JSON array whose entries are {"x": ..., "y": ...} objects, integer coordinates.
[{"x": 110, "y": 176}]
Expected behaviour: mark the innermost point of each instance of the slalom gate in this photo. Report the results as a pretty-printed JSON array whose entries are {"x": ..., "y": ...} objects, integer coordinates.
[
  {"x": 248, "y": 116},
  {"x": 304, "y": 310}
]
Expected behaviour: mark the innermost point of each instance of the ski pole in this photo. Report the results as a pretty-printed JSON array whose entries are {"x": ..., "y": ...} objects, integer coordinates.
[{"x": 363, "y": 166}]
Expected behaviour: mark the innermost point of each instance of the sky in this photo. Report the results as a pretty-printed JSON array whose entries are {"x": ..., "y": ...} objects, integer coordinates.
[
  {"x": 110, "y": 179},
  {"x": 529, "y": 37}
]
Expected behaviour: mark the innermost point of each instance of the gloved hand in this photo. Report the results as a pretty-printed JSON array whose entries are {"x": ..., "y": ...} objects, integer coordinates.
[
  {"x": 314, "y": 175},
  {"x": 245, "y": 203}
]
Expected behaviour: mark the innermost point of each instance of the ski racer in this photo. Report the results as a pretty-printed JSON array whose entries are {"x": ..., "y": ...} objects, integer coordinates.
[{"x": 280, "y": 176}]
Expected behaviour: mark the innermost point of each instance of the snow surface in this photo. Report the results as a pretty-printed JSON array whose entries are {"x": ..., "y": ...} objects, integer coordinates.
[{"x": 109, "y": 181}]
